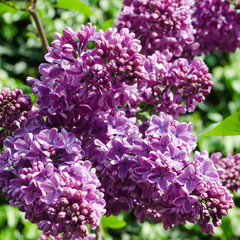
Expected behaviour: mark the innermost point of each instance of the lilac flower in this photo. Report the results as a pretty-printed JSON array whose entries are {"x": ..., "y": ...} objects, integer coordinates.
[
  {"x": 36, "y": 153},
  {"x": 118, "y": 148},
  {"x": 161, "y": 175},
  {"x": 162, "y": 145},
  {"x": 209, "y": 171},
  {"x": 5, "y": 161},
  {"x": 52, "y": 188},
  {"x": 159, "y": 124},
  {"x": 186, "y": 28},
  {"x": 185, "y": 201},
  {"x": 45, "y": 173},
  {"x": 59, "y": 99},
  {"x": 32, "y": 192},
  {"x": 189, "y": 178},
  {"x": 78, "y": 81}
]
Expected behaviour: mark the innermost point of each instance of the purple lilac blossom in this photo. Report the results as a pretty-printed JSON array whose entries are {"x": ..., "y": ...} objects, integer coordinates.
[
  {"x": 229, "y": 168},
  {"x": 78, "y": 81},
  {"x": 44, "y": 175},
  {"x": 156, "y": 177},
  {"x": 217, "y": 25},
  {"x": 14, "y": 107},
  {"x": 170, "y": 82},
  {"x": 75, "y": 84},
  {"x": 186, "y": 28},
  {"x": 160, "y": 25}
]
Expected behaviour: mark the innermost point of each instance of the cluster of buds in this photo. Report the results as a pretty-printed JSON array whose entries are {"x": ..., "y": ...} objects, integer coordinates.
[
  {"x": 13, "y": 109},
  {"x": 230, "y": 167}
]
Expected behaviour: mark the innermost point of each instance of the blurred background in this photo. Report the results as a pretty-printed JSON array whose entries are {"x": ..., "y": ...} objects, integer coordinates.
[{"x": 20, "y": 55}]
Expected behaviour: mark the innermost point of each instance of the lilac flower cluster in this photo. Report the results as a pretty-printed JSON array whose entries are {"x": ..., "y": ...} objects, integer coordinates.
[
  {"x": 155, "y": 176},
  {"x": 186, "y": 28},
  {"x": 42, "y": 172},
  {"x": 171, "y": 81},
  {"x": 217, "y": 24},
  {"x": 160, "y": 25},
  {"x": 13, "y": 109},
  {"x": 89, "y": 98},
  {"x": 230, "y": 167},
  {"x": 79, "y": 81}
]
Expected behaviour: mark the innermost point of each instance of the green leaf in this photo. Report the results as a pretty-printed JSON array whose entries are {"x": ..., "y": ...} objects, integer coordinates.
[
  {"x": 12, "y": 218},
  {"x": 208, "y": 129},
  {"x": 4, "y": 8},
  {"x": 31, "y": 231},
  {"x": 30, "y": 35},
  {"x": 74, "y": 5},
  {"x": 112, "y": 222},
  {"x": 228, "y": 127},
  {"x": 107, "y": 24}
]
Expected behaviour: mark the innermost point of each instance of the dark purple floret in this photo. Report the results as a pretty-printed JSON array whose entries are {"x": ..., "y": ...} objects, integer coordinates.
[
  {"x": 14, "y": 107},
  {"x": 229, "y": 168}
]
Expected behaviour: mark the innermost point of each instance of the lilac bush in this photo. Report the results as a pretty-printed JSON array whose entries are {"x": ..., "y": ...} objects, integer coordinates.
[{"x": 85, "y": 151}]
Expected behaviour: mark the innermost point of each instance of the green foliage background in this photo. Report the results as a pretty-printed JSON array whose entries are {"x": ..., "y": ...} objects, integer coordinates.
[{"x": 20, "y": 56}]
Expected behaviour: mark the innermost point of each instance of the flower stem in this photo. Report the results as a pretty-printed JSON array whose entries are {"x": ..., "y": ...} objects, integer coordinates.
[{"x": 99, "y": 232}]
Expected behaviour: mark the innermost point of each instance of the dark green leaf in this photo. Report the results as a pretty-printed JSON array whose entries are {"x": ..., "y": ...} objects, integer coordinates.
[
  {"x": 74, "y": 5},
  {"x": 228, "y": 127}
]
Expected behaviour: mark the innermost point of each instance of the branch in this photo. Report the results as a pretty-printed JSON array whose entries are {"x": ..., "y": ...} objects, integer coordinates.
[
  {"x": 31, "y": 8},
  {"x": 34, "y": 13},
  {"x": 99, "y": 232},
  {"x": 13, "y": 6}
]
